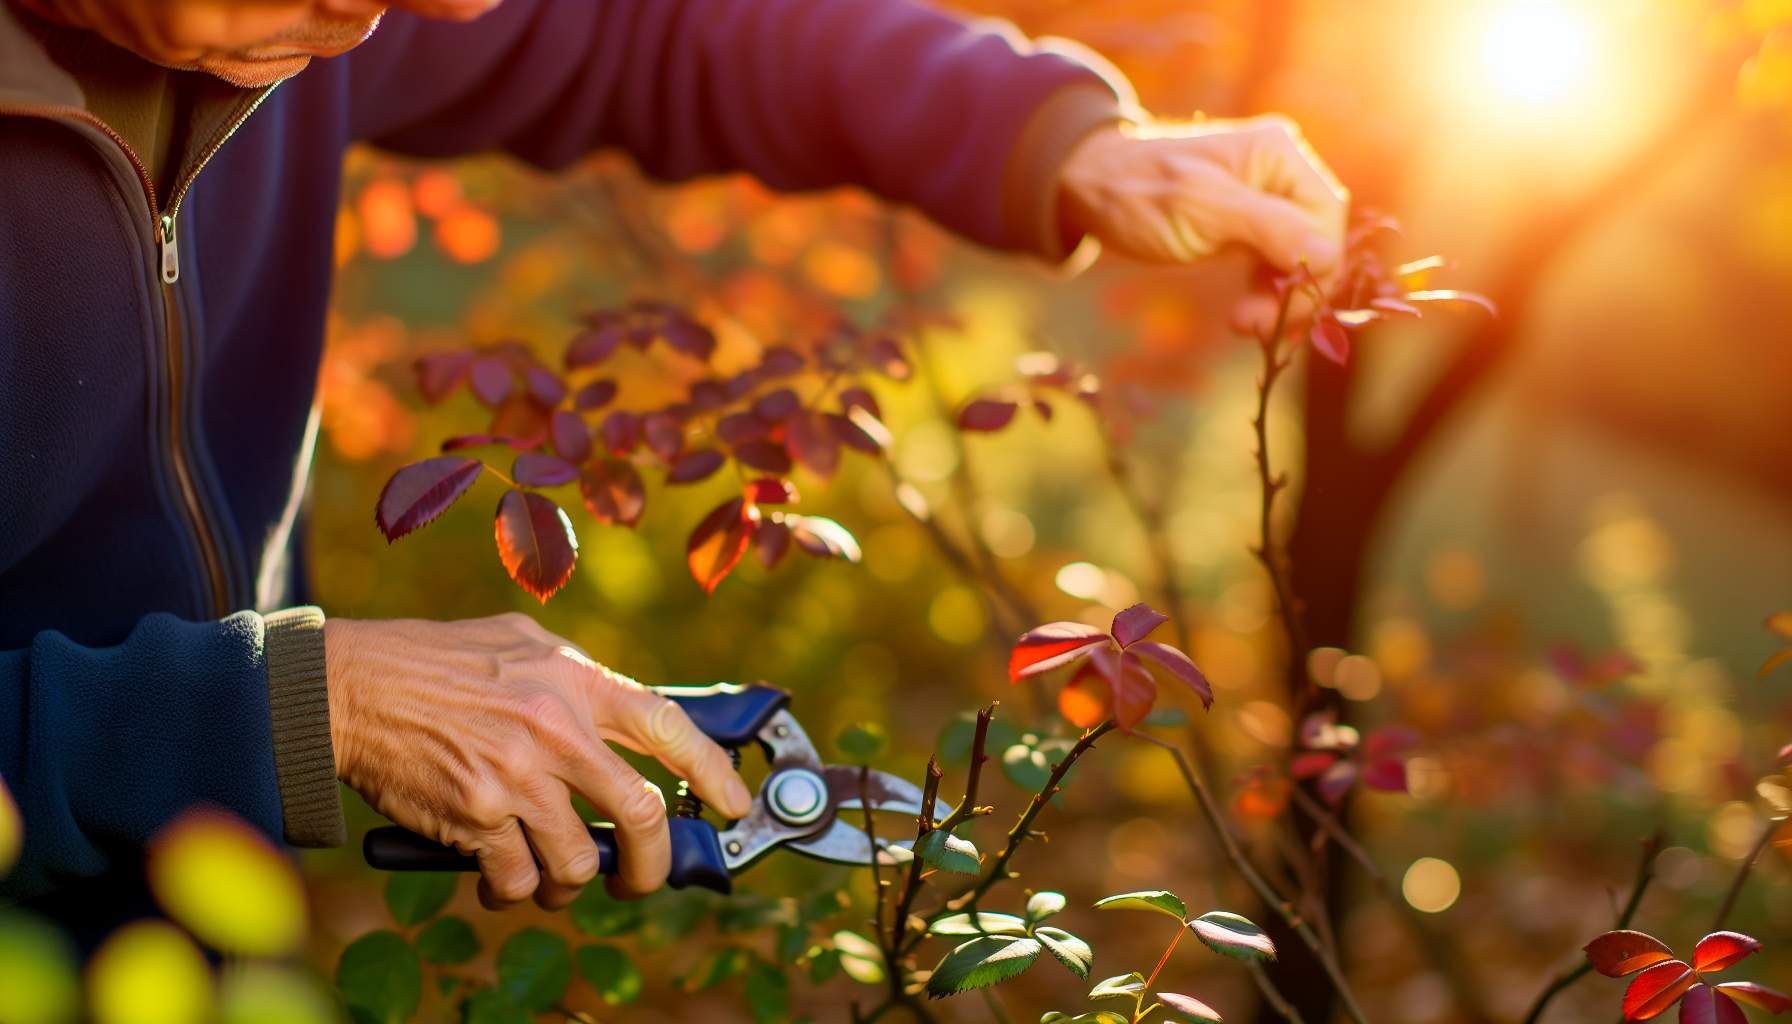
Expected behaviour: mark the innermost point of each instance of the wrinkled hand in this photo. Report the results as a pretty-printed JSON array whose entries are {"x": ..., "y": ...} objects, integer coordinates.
[
  {"x": 477, "y": 733},
  {"x": 1174, "y": 194}
]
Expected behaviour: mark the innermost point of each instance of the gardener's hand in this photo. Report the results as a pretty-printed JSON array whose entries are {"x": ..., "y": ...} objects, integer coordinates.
[
  {"x": 1174, "y": 194},
  {"x": 476, "y": 734}
]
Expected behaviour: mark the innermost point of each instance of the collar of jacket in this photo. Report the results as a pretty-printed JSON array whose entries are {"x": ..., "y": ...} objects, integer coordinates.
[{"x": 28, "y": 77}]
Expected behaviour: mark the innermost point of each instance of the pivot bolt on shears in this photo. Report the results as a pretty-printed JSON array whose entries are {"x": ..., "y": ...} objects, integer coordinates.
[{"x": 798, "y": 806}]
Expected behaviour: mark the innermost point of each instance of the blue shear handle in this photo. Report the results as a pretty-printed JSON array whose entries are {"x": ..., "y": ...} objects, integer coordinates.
[
  {"x": 696, "y": 853},
  {"x": 729, "y": 713}
]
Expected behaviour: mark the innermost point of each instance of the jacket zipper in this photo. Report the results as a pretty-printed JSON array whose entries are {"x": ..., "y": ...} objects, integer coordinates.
[{"x": 163, "y": 225}]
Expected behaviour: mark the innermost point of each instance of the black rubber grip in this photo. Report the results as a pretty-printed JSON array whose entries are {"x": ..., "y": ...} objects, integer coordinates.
[{"x": 696, "y": 853}]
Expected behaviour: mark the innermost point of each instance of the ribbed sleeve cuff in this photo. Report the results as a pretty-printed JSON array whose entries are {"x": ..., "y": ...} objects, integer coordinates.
[
  {"x": 298, "y": 700},
  {"x": 1030, "y": 180}
]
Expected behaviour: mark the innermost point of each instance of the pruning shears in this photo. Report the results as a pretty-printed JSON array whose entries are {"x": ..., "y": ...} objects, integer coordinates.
[{"x": 798, "y": 806}]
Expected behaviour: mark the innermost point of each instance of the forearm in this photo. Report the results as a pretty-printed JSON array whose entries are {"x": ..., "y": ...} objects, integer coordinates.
[{"x": 968, "y": 122}]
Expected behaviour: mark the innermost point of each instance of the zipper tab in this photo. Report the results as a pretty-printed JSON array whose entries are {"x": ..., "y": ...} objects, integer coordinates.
[{"x": 170, "y": 252}]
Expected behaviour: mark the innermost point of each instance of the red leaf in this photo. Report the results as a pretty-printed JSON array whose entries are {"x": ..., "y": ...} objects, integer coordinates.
[
  {"x": 718, "y": 542},
  {"x": 621, "y": 432},
  {"x": 535, "y": 542},
  {"x": 1330, "y": 338},
  {"x": 1179, "y": 665},
  {"x": 884, "y": 354},
  {"x": 439, "y": 373},
  {"x": 813, "y": 444},
  {"x": 1043, "y": 409},
  {"x": 772, "y": 541},
  {"x": 781, "y": 361},
  {"x": 1771, "y": 1000},
  {"x": 741, "y": 427},
  {"x": 491, "y": 379},
  {"x": 572, "y": 439},
  {"x": 765, "y": 456},
  {"x": 595, "y": 395},
  {"x": 696, "y": 466},
  {"x": 1337, "y": 781},
  {"x": 1656, "y": 989},
  {"x": 1706, "y": 1005},
  {"x": 1084, "y": 701},
  {"x": 688, "y": 336},
  {"x": 1311, "y": 764},
  {"x": 1388, "y": 741},
  {"x": 1721, "y": 950},
  {"x": 986, "y": 414},
  {"x": 545, "y": 387},
  {"x": 454, "y": 444},
  {"x": 664, "y": 435},
  {"x": 859, "y": 398},
  {"x": 776, "y": 405},
  {"x": 1618, "y": 953},
  {"x": 860, "y": 431},
  {"x": 708, "y": 395},
  {"x": 1134, "y": 693},
  {"x": 594, "y": 346},
  {"x": 1452, "y": 295},
  {"x": 421, "y": 491},
  {"x": 771, "y": 491},
  {"x": 822, "y": 537},
  {"x": 534, "y": 469},
  {"x": 1387, "y": 774},
  {"x": 520, "y": 419},
  {"x": 1135, "y": 624},
  {"x": 1049, "y": 646},
  {"x": 1389, "y": 305},
  {"x": 613, "y": 492}
]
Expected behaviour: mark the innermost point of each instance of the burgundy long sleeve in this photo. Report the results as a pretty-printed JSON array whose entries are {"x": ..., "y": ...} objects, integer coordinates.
[{"x": 913, "y": 104}]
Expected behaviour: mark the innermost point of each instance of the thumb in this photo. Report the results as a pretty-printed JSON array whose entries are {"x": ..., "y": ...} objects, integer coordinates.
[{"x": 1284, "y": 234}]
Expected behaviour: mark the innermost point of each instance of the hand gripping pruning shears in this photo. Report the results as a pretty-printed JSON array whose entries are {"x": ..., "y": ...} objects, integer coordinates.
[{"x": 802, "y": 805}]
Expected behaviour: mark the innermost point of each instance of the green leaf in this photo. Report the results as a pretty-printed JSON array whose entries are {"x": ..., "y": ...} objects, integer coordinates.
[
  {"x": 534, "y": 967},
  {"x": 768, "y": 994},
  {"x": 860, "y": 958},
  {"x": 447, "y": 940},
  {"x": 447, "y": 983},
  {"x": 1187, "y": 1007},
  {"x": 599, "y": 916},
  {"x": 490, "y": 1006},
  {"x": 416, "y": 896},
  {"x": 948, "y": 852},
  {"x": 956, "y": 739},
  {"x": 981, "y": 962},
  {"x": 380, "y": 978},
  {"x": 1233, "y": 936},
  {"x": 1071, "y": 951},
  {"x": 981, "y": 923},
  {"x": 1026, "y": 766},
  {"x": 715, "y": 968},
  {"x": 1161, "y": 900},
  {"x": 861, "y": 742},
  {"x": 1120, "y": 986},
  {"x": 1042, "y": 905},
  {"x": 609, "y": 971},
  {"x": 1092, "y": 1017},
  {"x": 824, "y": 963}
]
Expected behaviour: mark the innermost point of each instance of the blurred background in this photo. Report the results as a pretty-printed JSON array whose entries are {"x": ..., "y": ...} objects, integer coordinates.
[{"x": 1488, "y": 508}]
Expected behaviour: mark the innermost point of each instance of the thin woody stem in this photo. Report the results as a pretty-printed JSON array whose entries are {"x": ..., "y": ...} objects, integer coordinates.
[
  {"x": 1273, "y": 997},
  {"x": 1162, "y": 960},
  {"x": 1742, "y": 872},
  {"x": 924, "y": 824},
  {"x": 1271, "y": 484},
  {"x": 1260, "y": 885},
  {"x": 1645, "y": 873}
]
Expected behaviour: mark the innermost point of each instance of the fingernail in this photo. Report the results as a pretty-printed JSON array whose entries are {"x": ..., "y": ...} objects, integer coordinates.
[{"x": 740, "y": 799}]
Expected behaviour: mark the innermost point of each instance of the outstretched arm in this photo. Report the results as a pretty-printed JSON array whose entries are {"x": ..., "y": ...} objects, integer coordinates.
[{"x": 970, "y": 122}]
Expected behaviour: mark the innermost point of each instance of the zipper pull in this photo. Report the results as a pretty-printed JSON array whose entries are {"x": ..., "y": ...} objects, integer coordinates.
[{"x": 170, "y": 252}]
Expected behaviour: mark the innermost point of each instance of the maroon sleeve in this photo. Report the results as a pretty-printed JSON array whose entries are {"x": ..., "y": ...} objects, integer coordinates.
[{"x": 913, "y": 104}]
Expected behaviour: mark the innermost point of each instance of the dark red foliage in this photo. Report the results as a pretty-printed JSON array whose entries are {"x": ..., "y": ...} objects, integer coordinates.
[
  {"x": 422, "y": 491},
  {"x": 535, "y": 542}
]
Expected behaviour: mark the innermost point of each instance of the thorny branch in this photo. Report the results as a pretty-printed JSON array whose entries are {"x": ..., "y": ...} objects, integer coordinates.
[
  {"x": 1768, "y": 828},
  {"x": 1645, "y": 873}
]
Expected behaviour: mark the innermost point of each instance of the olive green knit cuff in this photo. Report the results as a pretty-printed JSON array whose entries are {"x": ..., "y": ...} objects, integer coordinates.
[{"x": 299, "y": 705}]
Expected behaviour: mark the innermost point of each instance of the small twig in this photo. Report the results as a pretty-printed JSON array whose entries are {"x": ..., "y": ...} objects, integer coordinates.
[
  {"x": 1445, "y": 958},
  {"x": 994, "y": 1002},
  {"x": 1645, "y": 873},
  {"x": 1274, "y": 998},
  {"x": 877, "y": 875},
  {"x": 1261, "y": 886},
  {"x": 923, "y": 825},
  {"x": 1150, "y": 514},
  {"x": 1271, "y": 484},
  {"x": 1742, "y": 872}
]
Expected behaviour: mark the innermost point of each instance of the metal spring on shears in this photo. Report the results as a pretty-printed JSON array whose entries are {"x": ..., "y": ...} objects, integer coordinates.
[{"x": 689, "y": 806}]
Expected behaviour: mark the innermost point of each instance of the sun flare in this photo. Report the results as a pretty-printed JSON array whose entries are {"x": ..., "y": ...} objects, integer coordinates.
[{"x": 1538, "y": 52}]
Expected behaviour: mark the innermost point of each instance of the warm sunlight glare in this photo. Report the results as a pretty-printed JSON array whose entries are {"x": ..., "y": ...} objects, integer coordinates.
[{"x": 1538, "y": 52}]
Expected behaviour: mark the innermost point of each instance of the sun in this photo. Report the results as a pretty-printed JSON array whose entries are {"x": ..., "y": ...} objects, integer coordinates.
[{"x": 1538, "y": 53}]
